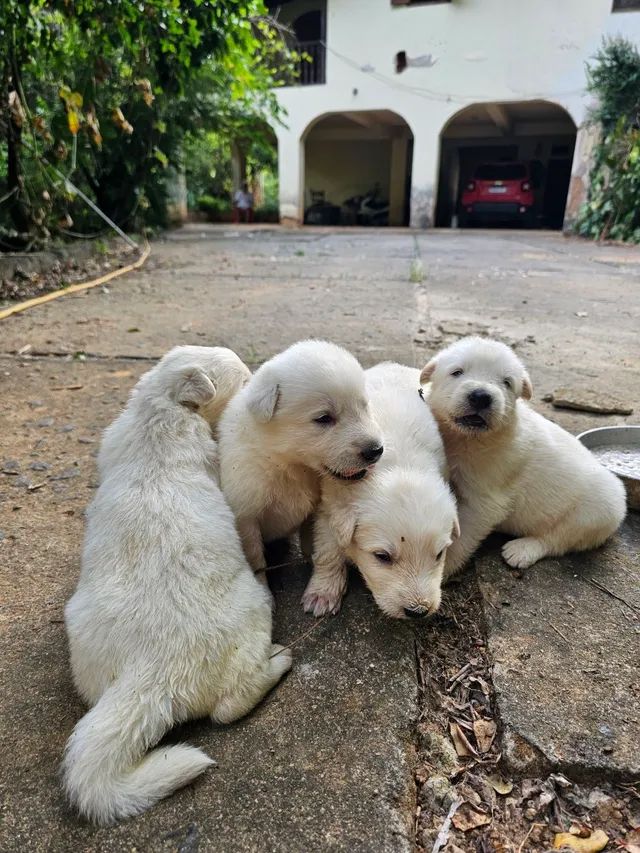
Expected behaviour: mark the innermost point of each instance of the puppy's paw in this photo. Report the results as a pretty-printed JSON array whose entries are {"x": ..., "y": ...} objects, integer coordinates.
[
  {"x": 323, "y": 598},
  {"x": 522, "y": 553}
]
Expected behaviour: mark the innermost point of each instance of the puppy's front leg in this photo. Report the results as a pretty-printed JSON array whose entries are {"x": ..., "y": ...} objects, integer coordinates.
[
  {"x": 252, "y": 544},
  {"x": 328, "y": 582},
  {"x": 474, "y": 527}
]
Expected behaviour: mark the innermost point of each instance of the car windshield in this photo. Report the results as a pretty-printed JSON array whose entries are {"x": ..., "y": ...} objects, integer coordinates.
[{"x": 501, "y": 172}]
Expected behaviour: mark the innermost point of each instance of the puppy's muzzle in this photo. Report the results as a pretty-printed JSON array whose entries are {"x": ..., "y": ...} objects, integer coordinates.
[
  {"x": 479, "y": 399},
  {"x": 371, "y": 453},
  {"x": 416, "y": 612}
]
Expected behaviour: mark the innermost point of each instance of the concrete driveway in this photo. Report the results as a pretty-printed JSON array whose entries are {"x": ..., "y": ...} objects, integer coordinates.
[{"x": 326, "y": 763}]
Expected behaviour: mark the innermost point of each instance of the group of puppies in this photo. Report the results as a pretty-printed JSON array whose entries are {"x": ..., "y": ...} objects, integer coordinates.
[{"x": 400, "y": 472}]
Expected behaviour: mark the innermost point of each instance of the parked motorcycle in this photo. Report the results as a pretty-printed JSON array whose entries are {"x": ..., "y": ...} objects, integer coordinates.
[{"x": 368, "y": 209}]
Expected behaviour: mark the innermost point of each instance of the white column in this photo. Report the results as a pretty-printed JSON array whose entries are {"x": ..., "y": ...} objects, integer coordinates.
[
  {"x": 291, "y": 176},
  {"x": 586, "y": 140},
  {"x": 424, "y": 176}
]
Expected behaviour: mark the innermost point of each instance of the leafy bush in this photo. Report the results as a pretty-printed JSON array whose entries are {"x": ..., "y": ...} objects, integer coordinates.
[
  {"x": 267, "y": 213},
  {"x": 217, "y": 209},
  {"x": 612, "y": 210}
]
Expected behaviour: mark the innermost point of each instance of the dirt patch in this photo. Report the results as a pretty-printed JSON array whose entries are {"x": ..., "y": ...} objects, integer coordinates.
[
  {"x": 465, "y": 799},
  {"x": 25, "y": 276}
]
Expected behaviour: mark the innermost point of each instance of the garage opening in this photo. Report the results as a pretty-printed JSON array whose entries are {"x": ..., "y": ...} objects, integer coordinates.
[
  {"x": 506, "y": 165},
  {"x": 358, "y": 169}
]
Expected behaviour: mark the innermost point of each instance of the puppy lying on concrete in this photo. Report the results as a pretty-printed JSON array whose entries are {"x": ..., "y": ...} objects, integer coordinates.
[
  {"x": 512, "y": 469},
  {"x": 168, "y": 622},
  {"x": 303, "y": 414},
  {"x": 397, "y": 523}
]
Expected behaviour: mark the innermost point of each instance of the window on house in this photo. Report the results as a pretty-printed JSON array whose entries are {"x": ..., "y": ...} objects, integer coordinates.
[
  {"x": 417, "y": 2},
  {"x": 625, "y": 5}
]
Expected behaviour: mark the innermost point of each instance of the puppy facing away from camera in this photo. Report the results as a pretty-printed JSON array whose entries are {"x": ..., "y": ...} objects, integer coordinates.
[
  {"x": 168, "y": 622},
  {"x": 303, "y": 414},
  {"x": 512, "y": 469},
  {"x": 397, "y": 523}
]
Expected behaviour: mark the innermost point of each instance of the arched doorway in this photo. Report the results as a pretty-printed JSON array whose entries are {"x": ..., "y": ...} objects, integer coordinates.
[
  {"x": 357, "y": 169},
  {"x": 503, "y": 148}
]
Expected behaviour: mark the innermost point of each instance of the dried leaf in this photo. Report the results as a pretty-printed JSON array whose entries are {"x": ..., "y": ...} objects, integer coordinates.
[
  {"x": 579, "y": 829},
  {"x": 467, "y": 817},
  {"x": 120, "y": 121},
  {"x": 485, "y": 732},
  {"x": 73, "y": 121},
  {"x": 499, "y": 784},
  {"x": 460, "y": 742},
  {"x": 596, "y": 841},
  {"x": 119, "y": 374}
]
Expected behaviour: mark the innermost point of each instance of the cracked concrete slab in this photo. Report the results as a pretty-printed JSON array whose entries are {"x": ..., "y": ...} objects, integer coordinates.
[
  {"x": 324, "y": 764},
  {"x": 564, "y": 636}
]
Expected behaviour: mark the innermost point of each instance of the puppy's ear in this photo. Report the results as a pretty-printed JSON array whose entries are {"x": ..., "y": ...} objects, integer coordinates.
[
  {"x": 527, "y": 387},
  {"x": 263, "y": 398},
  {"x": 427, "y": 371},
  {"x": 193, "y": 388},
  {"x": 455, "y": 532}
]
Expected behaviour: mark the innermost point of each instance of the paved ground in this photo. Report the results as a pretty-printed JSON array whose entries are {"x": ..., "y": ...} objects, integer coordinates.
[{"x": 326, "y": 762}]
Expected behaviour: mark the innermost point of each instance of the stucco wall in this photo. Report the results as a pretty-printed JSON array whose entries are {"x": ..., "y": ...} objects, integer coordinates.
[{"x": 480, "y": 50}]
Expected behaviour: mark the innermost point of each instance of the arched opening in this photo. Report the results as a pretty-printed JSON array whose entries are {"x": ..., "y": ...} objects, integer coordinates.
[
  {"x": 506, "y": 164},
  {"x": 358, "y": 169}
]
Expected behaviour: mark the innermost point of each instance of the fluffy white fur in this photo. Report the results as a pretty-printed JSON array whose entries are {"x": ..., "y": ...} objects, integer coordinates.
[
  {"x": 168, "y": 621},
  {"x": 397, "y": 523},
  {"x": 512, "y": 469},
  {"x": 303, "y": 414}
]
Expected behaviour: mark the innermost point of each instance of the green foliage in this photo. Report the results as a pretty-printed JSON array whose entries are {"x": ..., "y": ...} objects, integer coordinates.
[
  {"x": 107, "y": 91},
  {"x": 612, "y": 210},
  {"x": 217, "y": 209}
]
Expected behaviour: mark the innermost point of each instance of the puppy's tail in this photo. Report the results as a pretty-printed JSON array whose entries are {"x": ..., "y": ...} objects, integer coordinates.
[{"x": 106, "y": 773}]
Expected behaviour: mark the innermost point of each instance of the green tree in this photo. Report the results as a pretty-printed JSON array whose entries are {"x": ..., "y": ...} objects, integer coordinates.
[
  {"x": 612, "y": 210},
  {"x": 105, "y": 91}
]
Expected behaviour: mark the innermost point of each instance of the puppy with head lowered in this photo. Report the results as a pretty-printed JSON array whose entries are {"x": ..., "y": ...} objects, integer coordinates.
[
  {"x": 512, "y": 469},
  {"x": 397, "y": 523},
  {"x": 168, "y": 622},
  {"x": 304, "y": 414}
]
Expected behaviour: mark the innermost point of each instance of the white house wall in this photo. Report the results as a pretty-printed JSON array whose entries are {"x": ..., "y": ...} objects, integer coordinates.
[{"x": 477, "y": 50}]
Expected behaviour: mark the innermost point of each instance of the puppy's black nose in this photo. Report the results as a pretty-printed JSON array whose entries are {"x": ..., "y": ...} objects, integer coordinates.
[
  {"x": 372, "y": 453},
  {"x": 415, "y": 612},
  {"x": 480, "y": 399}
]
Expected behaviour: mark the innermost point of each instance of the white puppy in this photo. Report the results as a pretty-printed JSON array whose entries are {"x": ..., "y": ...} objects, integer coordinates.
[
  {"x": 303, "y": 414},
  {"x": 168, "y": 622},
  {"x": 512, "y": 469},
  {"x": 396, "y": 524}
]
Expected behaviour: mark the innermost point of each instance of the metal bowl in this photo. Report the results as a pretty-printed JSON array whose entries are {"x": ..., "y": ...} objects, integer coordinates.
[{"x": 625, "y": 439}]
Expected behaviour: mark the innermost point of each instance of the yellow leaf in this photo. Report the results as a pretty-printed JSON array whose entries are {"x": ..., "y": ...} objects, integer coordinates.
[
  {"x": 598, "y": 840},
  {"x": 73, "y": 120}
]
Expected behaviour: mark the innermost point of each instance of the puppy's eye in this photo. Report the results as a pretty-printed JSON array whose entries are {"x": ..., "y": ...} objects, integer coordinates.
[
  {"x": 325, "y": 420},
  {"x": 457, "y": 372},
  {"x": 507, "y": 382},
  {"x": 439, "y": 555},
  {"x": 383, "y": 557}
]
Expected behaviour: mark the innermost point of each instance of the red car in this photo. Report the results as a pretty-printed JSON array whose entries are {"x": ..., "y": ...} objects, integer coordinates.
[{"x": 498, "y": 192}]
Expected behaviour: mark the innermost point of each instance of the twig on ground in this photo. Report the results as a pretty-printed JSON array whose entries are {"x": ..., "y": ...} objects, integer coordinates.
[
  {"x": 615, "y": 595},
  {"x": 558, "y": 631},
  {"x": 526, "y": 838},
  {"x": 299, "y": 639},
  {"x": 443, "y": 835}
]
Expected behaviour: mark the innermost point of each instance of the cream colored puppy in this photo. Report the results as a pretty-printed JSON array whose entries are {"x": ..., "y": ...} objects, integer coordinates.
[
  {"x": 397, "y": 523},
  {"x": 168, "y": 621},
  {"x": 303, "y": 414},
  {"x": 512, "y": 469}
]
